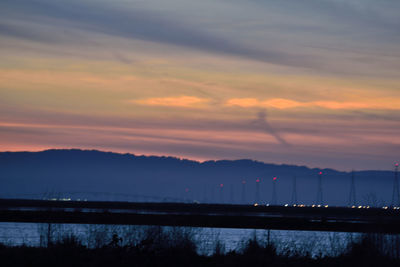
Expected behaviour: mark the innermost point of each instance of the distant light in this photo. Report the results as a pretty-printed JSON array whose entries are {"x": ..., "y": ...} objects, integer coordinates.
[
  {"x": 359, "y": 207},
  {"x": 319, "y": 206},
  {"x": 243, "y": 182},
  {"x": 326, "y": 206},
  {"x": 275, "y": 178},
  {"x": 221, "y": 185},
  {"x": 320, "y": 173},
  {"x": 258, "y": 180},
  {"x": 286, "y": 205},
  {"x": 255, "y": 204},
  {"x": 186, "y": 189},
  {"x": 397, "y": 165}
]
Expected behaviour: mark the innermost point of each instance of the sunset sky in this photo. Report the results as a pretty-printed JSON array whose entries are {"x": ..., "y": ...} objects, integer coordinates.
[{"x": 312, "y": 82}]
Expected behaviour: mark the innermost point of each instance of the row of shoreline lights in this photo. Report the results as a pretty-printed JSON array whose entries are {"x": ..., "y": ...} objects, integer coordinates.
[{"x": 325, "y": 206}]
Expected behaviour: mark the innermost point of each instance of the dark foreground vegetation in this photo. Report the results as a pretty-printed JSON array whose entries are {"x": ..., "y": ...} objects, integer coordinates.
[{"x": 178, "y": 248}]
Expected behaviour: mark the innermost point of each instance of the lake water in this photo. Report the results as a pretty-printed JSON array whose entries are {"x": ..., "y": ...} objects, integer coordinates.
[{"x": 315, "y": 243}]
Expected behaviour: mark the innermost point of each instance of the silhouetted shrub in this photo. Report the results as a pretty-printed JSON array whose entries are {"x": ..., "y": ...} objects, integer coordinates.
[
  {"x": 177, "y": 246},
  {"x": 365, "y": 248},
  {"x": 69, "y": 241}
]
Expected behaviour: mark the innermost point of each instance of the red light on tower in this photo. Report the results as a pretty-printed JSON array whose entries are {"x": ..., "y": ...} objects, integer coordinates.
[
  {"x": 258, "y": 180},
  {"x": 320, "y": 173},
  {"x": 397, "y": 165},
  {"x": 274, "y": 178},
  {"x": 221, "y": 185}
]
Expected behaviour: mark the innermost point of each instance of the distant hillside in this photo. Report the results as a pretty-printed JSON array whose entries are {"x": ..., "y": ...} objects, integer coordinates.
[{"x": 81, "y": 173}]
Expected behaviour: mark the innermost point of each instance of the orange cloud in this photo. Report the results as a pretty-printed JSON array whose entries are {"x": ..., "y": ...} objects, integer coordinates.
[
  {"x": 243, "y": 102},
  {"x": 280, "y": 103},
  {"x": 180, "y": 101},
  {"x": 349, "y": 105}
]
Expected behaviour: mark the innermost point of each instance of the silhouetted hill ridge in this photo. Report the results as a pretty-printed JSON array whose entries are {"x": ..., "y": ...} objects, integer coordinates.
[{"x": 71, "y": 170}]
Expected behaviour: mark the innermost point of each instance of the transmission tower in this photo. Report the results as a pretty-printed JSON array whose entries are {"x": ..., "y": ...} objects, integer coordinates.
[
  {"x": 243, "y": 192},
  {"x": 212, "y": 197},
  {"x": 231, "y": 194},
  {"x": 352, "y": 196},
  {"x": 294, "y": 191},
  {"x": 396, "y": 195},
  {"x": 221, "y": 193},
  {"x": 257, "y": 197},
  {"x": 274, "y": 196},
  {"x": 187, "y": 195},
  {"x": 319, "y": 192},
  {"x": 205, "y": 200}
]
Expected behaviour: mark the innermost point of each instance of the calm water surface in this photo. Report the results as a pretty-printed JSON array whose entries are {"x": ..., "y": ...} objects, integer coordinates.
[{"x": 315, "y": 243}]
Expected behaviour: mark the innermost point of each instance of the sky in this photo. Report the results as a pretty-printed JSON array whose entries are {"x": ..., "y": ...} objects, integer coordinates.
[{"x": 312, "y": 82}]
